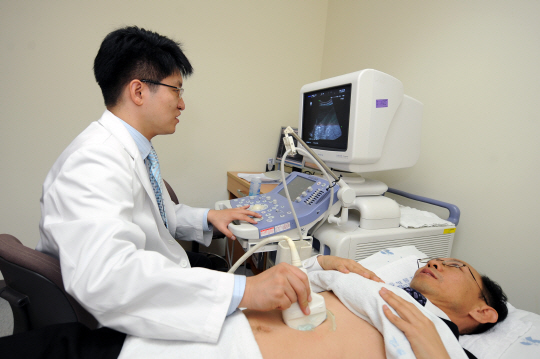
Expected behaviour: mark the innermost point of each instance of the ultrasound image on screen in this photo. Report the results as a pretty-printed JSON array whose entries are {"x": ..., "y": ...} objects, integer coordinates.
[
  {"x": 326, "y": 124},
  {"x": 325, "y": 118}
]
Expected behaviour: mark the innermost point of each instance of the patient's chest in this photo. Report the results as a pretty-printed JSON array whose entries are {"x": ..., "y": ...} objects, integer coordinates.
[{"x": 348, "y": 337}]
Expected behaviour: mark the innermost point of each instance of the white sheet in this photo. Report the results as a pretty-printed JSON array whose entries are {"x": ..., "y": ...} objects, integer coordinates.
[
  {"x": 528, "y": 344},
  {"x": 361, "y": 296},
  {"x": 516, "y": 337},
  {"x": 236, "y": 341}
]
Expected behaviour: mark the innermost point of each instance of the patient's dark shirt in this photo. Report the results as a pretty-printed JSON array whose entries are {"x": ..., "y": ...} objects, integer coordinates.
[{"x": 454, "y": 328}]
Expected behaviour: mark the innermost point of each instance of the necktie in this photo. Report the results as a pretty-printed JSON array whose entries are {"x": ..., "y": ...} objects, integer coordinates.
[
  {"x": 416, "y": 295},
  {"x": 152, "y": 164}
]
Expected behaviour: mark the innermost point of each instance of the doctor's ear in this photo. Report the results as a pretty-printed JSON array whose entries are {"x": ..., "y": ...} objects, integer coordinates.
[{"x": 135, "y": 89}]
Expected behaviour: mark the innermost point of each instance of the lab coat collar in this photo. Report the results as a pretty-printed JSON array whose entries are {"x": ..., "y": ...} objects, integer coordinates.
[{"x": 114, "y": 125}]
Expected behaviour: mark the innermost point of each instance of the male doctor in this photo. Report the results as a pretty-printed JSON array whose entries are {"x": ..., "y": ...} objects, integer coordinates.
[{"x": 108, "y": 218}]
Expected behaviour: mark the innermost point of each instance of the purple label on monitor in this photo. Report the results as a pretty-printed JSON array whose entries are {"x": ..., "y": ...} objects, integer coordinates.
[{"x": 382, "y": 103}]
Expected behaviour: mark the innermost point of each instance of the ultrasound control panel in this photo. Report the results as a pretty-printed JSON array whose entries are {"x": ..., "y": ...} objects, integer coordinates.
[{"x": 309, "y": 194}]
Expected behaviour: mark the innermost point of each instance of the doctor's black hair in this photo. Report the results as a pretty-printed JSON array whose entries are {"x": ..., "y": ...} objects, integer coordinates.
[
  {"x": 496, "y": 300},
  {"x": 135, "y": 53}
]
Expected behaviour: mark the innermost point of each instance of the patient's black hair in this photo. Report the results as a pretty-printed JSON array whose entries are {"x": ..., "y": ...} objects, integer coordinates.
[
  {"x": 496, "y": 300},
  {"x": 134, "y": 53}
]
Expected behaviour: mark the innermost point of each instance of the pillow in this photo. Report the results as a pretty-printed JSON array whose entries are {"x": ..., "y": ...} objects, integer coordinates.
[{"x": 494, "y": 342}]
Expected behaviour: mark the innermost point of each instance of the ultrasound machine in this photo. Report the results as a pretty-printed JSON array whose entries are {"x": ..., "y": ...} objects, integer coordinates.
[{"x": 355, "y": 123}]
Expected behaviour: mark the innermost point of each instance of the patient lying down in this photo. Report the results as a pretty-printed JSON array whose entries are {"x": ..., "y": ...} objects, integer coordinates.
[{"x": 361, "y": 314}]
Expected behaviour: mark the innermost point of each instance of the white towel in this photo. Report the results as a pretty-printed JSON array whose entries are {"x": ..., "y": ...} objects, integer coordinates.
[
  {"x": 235, "y": 341},
  {"x": 361, "y": 296},
  {"x": 414, "y": 218}
]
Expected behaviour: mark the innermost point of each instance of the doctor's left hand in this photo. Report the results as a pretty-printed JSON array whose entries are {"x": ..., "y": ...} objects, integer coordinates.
[{"x": 220, "y": 219}]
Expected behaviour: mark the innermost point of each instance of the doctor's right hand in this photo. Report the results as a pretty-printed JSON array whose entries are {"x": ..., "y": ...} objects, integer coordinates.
[{"x": 277, "y": 288}]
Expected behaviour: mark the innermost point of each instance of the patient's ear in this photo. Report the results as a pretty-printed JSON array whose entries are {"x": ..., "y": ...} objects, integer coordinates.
[{"x": 484, "y": 314}]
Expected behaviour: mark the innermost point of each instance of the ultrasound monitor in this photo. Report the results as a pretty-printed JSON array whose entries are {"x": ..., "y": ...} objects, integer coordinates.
[{"x": 361, "y": 122}]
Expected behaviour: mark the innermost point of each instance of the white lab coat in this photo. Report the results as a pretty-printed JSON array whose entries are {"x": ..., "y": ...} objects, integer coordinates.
[{"x": 101, "y": 220}]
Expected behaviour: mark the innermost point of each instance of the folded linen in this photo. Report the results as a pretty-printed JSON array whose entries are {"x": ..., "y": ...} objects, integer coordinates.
[{"x": 415, "y": 218}]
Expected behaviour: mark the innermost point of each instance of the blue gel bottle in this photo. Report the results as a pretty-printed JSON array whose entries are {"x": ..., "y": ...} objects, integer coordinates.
[{"x": 255, "y": 186}]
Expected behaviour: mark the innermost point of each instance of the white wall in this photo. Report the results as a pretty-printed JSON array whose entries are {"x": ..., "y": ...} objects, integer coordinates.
[
  {"x": 476, "y": 67},
  {"x": 250, "y": 60}
]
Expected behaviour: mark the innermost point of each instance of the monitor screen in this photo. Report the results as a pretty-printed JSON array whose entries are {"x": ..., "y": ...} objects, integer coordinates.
[{"x": 325, "y": 122}]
